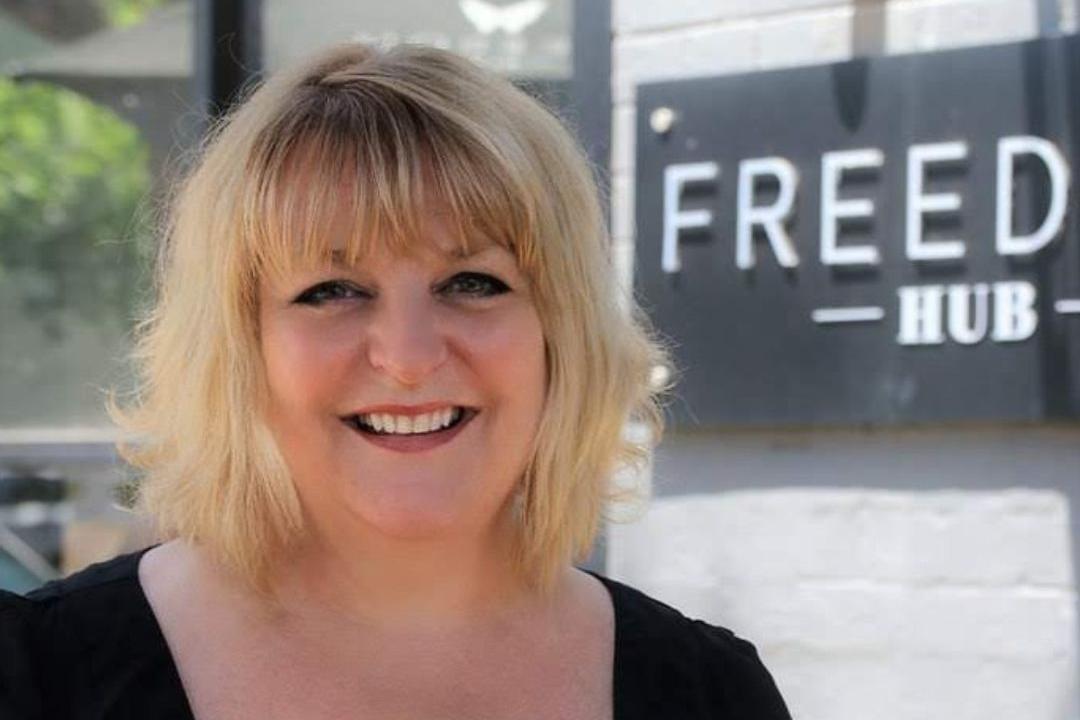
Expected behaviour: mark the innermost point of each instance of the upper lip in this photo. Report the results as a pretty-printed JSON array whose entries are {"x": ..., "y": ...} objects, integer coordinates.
[{"x": 407, "y": 410}]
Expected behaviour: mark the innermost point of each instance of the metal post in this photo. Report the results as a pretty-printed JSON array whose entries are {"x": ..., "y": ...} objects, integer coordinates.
[
  {"x": 590, "y": 97},
  {"x": 590, "y": 87},
  {"x": 228, "y": 52}
]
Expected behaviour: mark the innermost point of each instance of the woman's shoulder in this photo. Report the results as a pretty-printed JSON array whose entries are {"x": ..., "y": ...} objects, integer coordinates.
[
  {"x": 661, "y": 653},
  {"x": 19, "y": 695},
  {"x": 87, "y": 594},
  {"x": 100, "y": 594},
  {"x": 52, "y": 638}
]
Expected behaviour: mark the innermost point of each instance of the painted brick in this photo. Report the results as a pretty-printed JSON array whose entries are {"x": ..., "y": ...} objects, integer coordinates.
[
  {"x": 623, "y": 138},
  {"x": 973, "y": 689},
  {"x": 997, "y": 625},
  {"x": 1029, "y": 543},
  {"x": 854, "y": 688},
  {"x": 1018, "y": 536},
  {"x": 1068, "y": 16},
  {"x": 940, "y": 25},
  {"x": 686, "y": 53},
  {"x": 630, "y": 16},
  {"x": 807, "y": 39},
  {"x": 824, "y": 35},
  {"x": 622, "y": 206},
  {"x": 800, "y": 574},
  {"x": 622, "y": 254}
]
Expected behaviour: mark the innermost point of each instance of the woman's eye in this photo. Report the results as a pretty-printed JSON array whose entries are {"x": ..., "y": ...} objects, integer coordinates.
[
  {"x": 328, "y": 292},
  {"x": 476, "y": 285}
]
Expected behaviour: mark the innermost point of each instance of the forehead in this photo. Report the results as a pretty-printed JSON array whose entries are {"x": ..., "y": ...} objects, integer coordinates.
[
  {"x": 447, "y": 252},
  {"x": 312, "y": 228},
  {"x": 439, "y": 236}
]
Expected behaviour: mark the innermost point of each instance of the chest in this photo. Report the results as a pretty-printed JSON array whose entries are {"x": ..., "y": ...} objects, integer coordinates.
[
  {"x": 230, "y": 678},
  {"x": 236, "y": 664}
]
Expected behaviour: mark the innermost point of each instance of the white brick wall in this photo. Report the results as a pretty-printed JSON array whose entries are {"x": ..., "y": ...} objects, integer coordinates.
[
  {"x": 636, "y": 17},
  {"x": 886, "y": 604},
  {"x": 882, "y": 604}
]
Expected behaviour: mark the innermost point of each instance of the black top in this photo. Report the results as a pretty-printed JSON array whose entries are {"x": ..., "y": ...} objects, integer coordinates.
[{"x": 90, "y": 647}]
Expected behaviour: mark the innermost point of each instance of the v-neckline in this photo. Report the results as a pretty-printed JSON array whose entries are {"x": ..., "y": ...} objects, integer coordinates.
[
  {"x": 177, "y": 685},
  {"x": 621, "y": 709},
  {"x": 618, "y": 680}
]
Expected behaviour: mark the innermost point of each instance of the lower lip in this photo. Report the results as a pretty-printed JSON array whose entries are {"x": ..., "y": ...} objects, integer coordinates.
[{"x": 415, "y": 443}]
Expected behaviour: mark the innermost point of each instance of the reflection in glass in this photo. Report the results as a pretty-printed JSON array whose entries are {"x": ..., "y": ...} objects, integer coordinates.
[
  {"x": 91, "y": 109},
  {"x": 524, "y": 40}
]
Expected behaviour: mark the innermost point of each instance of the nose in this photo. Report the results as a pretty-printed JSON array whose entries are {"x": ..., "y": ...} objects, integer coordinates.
[{"x": 405, "y": 341}]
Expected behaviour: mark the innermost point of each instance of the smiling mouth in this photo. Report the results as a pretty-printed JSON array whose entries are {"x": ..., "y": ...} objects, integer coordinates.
[{"x": 380, "y": 424}]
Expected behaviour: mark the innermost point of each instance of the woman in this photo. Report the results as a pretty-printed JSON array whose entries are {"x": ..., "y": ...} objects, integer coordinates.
[{"x": 384, "y": 388}]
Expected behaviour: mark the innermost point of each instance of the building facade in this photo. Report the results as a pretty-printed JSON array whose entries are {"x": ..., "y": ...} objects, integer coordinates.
[{"x": 899, "y": 564}]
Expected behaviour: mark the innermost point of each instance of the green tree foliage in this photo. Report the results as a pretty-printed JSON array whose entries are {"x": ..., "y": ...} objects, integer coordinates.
[
  {"x": 72, "y": 177},
  {"x": 74, "y": 232},
  {"x": 67, "y": 20},
  {"x": 122, "y": 13}
]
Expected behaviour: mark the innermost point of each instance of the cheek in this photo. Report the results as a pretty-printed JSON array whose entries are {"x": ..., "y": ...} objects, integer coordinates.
[
  {"x": 511, "y": 355},
  {"x": 305, "y": 363}
]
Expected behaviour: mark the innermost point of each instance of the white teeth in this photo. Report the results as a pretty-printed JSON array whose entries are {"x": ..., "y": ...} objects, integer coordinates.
[{"x": 411, "y": 425}]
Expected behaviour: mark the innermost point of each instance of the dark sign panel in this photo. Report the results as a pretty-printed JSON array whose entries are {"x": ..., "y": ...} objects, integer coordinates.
[{"x": 881, "y": 241}]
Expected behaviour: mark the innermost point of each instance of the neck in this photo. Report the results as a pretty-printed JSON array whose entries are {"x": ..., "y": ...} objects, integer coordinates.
[{"x": 406, "y": 585}]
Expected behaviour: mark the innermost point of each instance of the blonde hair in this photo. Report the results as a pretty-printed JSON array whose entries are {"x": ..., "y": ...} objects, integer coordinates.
[{"x": 372, "y": 132}]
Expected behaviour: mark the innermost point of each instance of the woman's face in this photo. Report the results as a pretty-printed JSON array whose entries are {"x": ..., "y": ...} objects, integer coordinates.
[{"x": 363, "y": 362}]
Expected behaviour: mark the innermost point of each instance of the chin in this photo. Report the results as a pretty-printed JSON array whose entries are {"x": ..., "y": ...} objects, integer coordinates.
[{"x": 410, "y": 520}]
